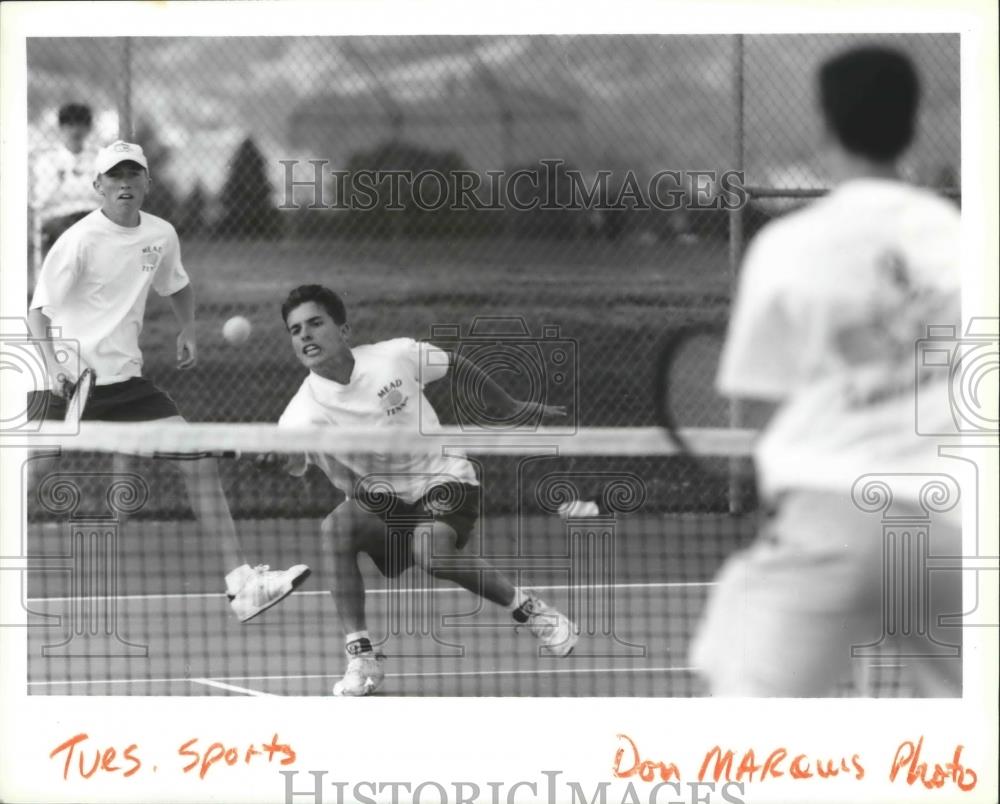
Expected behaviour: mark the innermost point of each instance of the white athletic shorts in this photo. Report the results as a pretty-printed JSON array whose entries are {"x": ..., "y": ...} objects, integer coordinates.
[{"x": 786, "y": 613}]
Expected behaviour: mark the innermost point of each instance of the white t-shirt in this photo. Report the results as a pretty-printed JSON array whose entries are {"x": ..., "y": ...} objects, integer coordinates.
[
  {"x": 832, "y": 301},
  {"x": 93, "y": 287},
  {"x": 63, "y": 182},
  {"x": 386, "y": 390}
]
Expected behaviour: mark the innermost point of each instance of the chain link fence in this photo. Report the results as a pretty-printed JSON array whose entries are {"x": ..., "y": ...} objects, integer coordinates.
[
  {"x": 554, "y": 207},
  {"x": 259, "y": 147}
]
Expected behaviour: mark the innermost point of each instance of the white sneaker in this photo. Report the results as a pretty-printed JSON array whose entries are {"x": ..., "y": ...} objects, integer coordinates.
[
  {"x": 554, "y": 630},
  {"x": 265, "y": 587},
  {"x": 364, "y": 674}
]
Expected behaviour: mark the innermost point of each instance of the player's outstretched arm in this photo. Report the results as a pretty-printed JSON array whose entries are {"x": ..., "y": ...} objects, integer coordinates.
[
  {"x": 497, "y": 398},
  {"x": 182, "y": 303}
]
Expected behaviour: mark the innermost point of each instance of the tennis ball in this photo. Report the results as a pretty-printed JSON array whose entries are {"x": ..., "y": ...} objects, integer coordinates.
[{"x": 237, "y": 330}]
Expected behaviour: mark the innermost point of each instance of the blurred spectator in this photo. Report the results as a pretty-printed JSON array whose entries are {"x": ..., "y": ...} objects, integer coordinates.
[{"x": 62, "y": 189}]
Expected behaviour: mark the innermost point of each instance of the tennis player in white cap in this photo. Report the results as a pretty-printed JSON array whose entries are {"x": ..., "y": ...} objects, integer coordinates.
[{"x": 92, "y": 290}]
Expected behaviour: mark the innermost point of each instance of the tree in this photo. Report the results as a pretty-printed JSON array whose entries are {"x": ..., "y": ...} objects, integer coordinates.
[
  {"x": 550, "y": 191},
  {"x": 247, "y": 203},
  {"x": 192, "y": 216},
  {"x": 436, "y": 216},
  {"x": 162, "y": 199}
]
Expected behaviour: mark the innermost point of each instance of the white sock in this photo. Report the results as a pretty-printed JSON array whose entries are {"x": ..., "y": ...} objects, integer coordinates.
[
  {"x": 355, "y": 639},
  {"x": 518, "y": 600},
  {"x": 236, "y": 578}
]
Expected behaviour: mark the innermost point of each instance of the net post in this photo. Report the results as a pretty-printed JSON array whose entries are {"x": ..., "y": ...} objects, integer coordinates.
[
  {"x": 390, "y": 106},
  {"x": 736, "y": 252},
  {"x": 125, "y": 91},
  {"x": 507, "y": 122}
]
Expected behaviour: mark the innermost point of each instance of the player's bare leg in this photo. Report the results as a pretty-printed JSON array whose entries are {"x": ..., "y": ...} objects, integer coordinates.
[
  {"x": 344, "y": 533},
  {"x": 202, "y": 490},
  {"x": 436, "y": 551},
  {"x": 210, "y": 507},
  {"x": 251, "y": 590}
]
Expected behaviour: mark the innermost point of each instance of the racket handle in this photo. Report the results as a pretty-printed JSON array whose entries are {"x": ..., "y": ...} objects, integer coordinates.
[{"x": 197, "y": 456}]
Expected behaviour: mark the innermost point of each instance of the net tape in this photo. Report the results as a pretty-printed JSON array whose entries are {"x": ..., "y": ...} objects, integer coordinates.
[{"x": 145, "y": 437}]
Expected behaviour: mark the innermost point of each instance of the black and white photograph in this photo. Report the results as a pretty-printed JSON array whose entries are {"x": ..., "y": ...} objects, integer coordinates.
[{"x": 641, "y": 367}]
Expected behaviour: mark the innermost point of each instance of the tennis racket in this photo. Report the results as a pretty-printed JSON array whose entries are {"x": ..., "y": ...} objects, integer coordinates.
[
  {"x": 77, "y": 394},
  {"x": 685, "y": 396},
  {"x": 698, "y": 420}
]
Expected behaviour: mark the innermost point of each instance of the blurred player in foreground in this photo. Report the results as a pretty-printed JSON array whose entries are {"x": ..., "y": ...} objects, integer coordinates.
[
  {"x": 381, "y": 385},
  {"x": 821, "y": 343},
  {"x": 92, "y": 290}
]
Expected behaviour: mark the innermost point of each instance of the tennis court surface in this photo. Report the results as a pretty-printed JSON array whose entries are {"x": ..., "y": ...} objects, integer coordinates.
[
  {"x": 439, "y": 639},
  {"x": 134, "y": 604}
]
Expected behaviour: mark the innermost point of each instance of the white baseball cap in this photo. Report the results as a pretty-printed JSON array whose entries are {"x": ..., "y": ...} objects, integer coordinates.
[{"x": 116, "y": 152}]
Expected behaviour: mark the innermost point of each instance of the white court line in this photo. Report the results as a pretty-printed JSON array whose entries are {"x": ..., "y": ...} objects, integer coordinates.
[
  {"x": 562, "y": 671},
  {"x": 439, "y": 674},
  {"x": 433, "y": 590},
  {"x": 222, "y": 685},
  {"x": 84, "y": 682}
]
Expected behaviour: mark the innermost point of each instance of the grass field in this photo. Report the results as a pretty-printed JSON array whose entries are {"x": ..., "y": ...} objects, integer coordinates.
[{"x": 611, "y": 301}]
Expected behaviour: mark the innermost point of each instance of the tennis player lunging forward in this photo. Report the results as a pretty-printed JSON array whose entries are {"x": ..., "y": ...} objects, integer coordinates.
[
  {"x": 92, "y": 290},
  {"x": 832, "y": 300},
  {"x": 381, "y": 385}
]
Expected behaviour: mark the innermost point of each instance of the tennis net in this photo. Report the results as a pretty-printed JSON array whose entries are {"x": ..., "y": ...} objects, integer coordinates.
[{"x": 126, "y": 587}]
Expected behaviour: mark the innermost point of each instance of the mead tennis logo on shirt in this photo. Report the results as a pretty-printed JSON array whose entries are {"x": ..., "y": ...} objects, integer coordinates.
[
  {"x": 391, "y": 398},
  {"x": 151, "y": 256}
]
